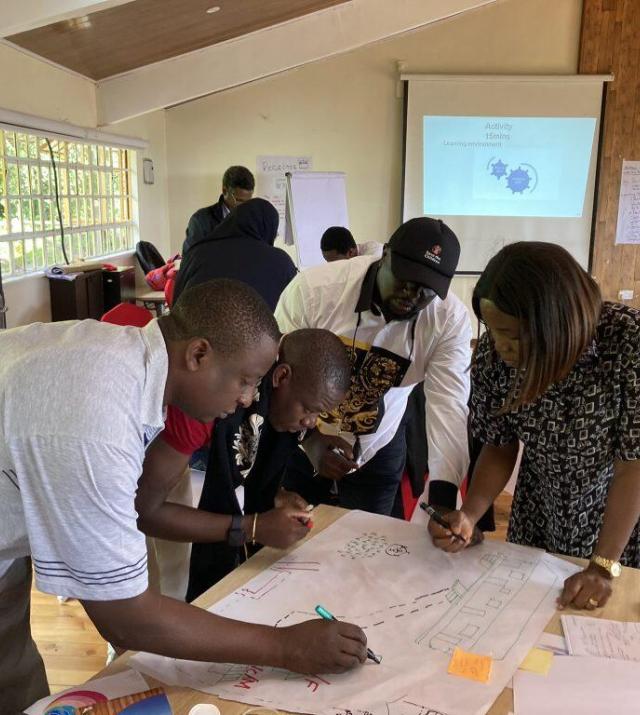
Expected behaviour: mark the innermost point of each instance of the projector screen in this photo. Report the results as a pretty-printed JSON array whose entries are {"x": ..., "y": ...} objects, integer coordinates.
[{"x": 503, "y": 159}]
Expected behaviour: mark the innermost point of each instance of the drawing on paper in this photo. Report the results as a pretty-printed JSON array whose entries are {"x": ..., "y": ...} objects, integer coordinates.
[
  {"x": 401, "y": 706},
  {"x": 415, "y": 604},
  {"x": 474, "y": 610},
  {"x": 364, "y": 546},
  {"x": 292, "y": 565}
]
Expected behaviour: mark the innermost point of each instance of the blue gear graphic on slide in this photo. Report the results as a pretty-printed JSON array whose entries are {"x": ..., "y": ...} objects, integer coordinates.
[
  {"x": 499, "y": 169},
  {"x": 518, "y": 180}
]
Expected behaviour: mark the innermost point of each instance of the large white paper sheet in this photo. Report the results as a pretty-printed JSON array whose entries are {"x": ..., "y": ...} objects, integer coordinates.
[
  {"x": 602, "y": 637},
  {"x": 415, "y": 603},
  {"x": 578, "y": 686}
]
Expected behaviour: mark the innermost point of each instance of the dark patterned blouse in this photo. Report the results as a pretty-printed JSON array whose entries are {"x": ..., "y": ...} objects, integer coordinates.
[{"x": 572, "y": 434}]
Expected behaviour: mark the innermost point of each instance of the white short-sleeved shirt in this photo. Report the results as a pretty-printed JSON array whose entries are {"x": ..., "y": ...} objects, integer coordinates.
[{"x": 78, "y": 401}]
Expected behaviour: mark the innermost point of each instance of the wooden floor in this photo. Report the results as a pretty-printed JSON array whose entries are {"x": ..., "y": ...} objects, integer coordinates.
[{"x": 73, "y": 649}]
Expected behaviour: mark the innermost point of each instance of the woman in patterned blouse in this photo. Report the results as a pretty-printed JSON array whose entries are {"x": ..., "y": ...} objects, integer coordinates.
[{"x": 559, "y": 371}]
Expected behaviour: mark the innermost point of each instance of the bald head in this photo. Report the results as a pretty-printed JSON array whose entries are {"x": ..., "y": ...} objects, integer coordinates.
[
  {"x": 312, "y": 376},
  {"x": 318, "y": 358}
]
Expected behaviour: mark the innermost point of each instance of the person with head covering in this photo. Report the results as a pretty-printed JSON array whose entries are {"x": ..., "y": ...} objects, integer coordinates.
[
  {"x": 237, "y": 187},
  {"x": 241, "y": 247},
  {"x": 402, "y": 326},
  {"x": 558, "y": 370}
]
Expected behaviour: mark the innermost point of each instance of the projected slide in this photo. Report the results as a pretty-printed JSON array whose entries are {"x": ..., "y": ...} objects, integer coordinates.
[{"x": 506, "y": 166}]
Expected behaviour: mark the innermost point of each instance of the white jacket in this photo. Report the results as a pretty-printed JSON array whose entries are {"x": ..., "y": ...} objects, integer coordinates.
[{"x": 390, "y": 359}]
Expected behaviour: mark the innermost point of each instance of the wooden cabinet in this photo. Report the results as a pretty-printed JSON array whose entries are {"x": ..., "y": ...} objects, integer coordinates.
[
  {"x": 77, "y": 299},
  {"x": 92, "y": 293},
  {"x": 119, "y": 286}
]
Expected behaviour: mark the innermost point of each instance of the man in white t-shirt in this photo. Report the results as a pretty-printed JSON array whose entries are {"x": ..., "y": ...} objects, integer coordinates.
[
  {"x": 402, "y": 326},
  {"x": 78, "y": 403},
  {"x": 337, "y": 244}
]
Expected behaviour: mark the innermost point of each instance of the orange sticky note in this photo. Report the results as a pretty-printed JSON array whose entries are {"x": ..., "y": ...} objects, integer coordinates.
[
  {"x": 470, "y": 665},
  {"x": 538, "y": 661}
]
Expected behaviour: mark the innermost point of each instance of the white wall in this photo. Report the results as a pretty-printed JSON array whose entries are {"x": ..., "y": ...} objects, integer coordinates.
[
  {"x": 345, "y": 111},
  {"x": 34, "y": 87},
  {"x": 153, "y": 199}
]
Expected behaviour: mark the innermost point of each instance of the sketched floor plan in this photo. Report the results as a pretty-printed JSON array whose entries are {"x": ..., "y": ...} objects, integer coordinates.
[{"x": 415, "y": 604}]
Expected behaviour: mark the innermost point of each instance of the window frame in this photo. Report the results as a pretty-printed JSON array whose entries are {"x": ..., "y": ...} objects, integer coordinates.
[{"x": 107, "y": 189}]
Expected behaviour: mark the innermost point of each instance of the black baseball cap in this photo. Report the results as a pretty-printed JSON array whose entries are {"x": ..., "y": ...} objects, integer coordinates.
[{"x": 425, "y": 251}]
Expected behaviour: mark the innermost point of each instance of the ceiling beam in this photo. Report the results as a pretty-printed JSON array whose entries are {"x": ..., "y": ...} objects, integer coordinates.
[
  {"x": 23, "y": 15},
  {"x": 266, "y": 52}
]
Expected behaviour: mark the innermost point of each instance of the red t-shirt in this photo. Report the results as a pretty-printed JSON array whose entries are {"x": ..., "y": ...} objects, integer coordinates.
[{"x": 185, "y": 434}]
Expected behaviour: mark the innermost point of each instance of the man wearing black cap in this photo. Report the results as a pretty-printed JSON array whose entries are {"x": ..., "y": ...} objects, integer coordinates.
[{"x": 402, "y": 327}]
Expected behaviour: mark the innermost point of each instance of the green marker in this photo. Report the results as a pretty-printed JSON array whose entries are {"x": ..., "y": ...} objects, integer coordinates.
[{"x": 323, "y": 613}]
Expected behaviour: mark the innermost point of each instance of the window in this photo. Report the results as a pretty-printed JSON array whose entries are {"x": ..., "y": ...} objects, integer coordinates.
[{"x": 96, "y": 190}]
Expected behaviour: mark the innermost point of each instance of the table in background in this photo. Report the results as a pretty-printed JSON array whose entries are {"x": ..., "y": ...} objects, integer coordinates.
[
  {"x": 154, "y": 297},
  {"x": 624, "y": 605}
]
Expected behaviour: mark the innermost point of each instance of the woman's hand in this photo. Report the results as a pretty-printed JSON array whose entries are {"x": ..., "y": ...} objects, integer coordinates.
[
  {"x": 588, "y": 589},
  {"x": 460, "y": 524}
]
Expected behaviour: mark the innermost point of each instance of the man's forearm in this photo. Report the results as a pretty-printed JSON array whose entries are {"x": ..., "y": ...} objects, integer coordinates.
[
  {"x": 490, "y": 476},
  {"x": 622, "y": 511},
  {"x": 176, "y": 522},
  {"x": 158, "y": 624}
]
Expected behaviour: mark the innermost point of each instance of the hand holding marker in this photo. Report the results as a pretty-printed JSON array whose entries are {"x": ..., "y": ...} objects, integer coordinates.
[
  {"x": 323, "y": 613},
  {"x": 357, "y": 457},
  {"x": 440, "y": 520},
  {"x": 309, "y": 523}
]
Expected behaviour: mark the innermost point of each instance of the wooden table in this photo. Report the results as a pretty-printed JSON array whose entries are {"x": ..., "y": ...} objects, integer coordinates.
[{"x": 624, "y": 605}]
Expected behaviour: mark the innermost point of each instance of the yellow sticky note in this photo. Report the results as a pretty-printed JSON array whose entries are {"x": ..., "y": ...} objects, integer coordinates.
[
  {"x": 537, "y": 661},
  {"x": 470, "y": 665}
]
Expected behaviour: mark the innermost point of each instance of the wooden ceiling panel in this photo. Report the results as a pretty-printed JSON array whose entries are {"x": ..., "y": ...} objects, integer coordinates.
[{"x": 122, "y": 38}]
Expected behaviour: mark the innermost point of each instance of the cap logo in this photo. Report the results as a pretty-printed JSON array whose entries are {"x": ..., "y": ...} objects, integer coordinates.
[{"x": 433, "y": 254}]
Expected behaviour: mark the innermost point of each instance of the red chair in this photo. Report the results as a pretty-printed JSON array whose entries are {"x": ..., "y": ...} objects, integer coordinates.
[{"x": 127, "y": 314}]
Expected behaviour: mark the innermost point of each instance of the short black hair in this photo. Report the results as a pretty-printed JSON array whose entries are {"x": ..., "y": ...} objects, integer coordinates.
[
  {"x": 319, "y": 360},
  {"x": 229, "y": 314},
  {"x": 238, "y": 177},
  {"x": 337, "y": 238}
]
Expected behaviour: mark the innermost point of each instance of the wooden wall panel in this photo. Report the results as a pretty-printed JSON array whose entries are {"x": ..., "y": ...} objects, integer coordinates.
[{"x": 610, "y": 43}]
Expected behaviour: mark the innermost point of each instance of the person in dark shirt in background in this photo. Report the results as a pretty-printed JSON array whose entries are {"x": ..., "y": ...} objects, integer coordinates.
[
  {"x": 241, "y": 247},
  {"x": 237, "y": 187}
]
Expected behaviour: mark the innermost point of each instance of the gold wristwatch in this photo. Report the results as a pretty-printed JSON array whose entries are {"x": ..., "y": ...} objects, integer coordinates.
[{"x": 613, "y": 568}]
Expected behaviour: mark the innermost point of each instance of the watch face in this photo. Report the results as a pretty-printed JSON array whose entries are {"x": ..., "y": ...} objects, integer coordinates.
[{"x": 616, "y": 569}]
